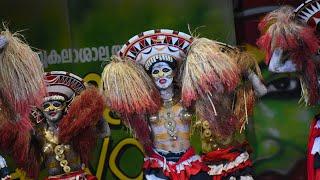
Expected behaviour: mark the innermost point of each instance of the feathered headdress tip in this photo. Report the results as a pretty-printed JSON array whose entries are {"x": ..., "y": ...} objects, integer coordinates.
[
  {"x": 281, "y": 29},
  {"x": 281, "y": 16},
  {"x": 128, "y": 88},
  {"x": 207, "y": 69}
]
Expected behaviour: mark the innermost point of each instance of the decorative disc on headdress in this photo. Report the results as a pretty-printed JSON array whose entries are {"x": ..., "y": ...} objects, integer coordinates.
[
  {"x": 309, "y": 12},
  {"x": 63, "y": 85},
  {"x": 153, "y": 46}
]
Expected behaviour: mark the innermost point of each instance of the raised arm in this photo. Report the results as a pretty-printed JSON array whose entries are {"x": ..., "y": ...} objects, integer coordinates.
[{"x": 259, "y": 88}]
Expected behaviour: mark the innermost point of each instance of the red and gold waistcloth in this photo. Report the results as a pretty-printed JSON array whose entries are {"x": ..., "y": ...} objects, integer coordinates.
[
  {"x": 77, "y": 175},
  {"x": 225, "y": 162},
  {"x": 188, "y": 164}
]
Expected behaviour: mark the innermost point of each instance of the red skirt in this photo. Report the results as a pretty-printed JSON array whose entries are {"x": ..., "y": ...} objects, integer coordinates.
[
  {"x": 233, "y": 161},
  {"x": 188, "y": 164}
]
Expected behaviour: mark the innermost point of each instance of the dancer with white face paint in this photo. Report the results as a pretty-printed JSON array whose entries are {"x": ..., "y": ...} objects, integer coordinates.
[
  {"x": 65, "y": 128},
  {"x": 143, "y": 86},
  {"x": 63, "y": 132},
  {"x": 290, "y": 40},
  {"x": 162, "y": 75},
  {"x": 149, "y": 104},
  {"x": 53, "y": 110}
]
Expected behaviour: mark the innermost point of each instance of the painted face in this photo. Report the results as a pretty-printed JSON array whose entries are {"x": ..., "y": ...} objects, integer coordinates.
[
  {"x": 162, "y": 75},
  {"x": 53, "y": 110}
]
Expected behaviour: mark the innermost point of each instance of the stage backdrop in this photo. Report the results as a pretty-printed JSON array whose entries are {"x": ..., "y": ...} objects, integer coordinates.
[{"x": 79, "y": 36}]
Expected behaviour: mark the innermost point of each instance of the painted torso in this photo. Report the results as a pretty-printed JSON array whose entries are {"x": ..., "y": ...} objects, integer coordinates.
[{"x": 171, "y": 128}]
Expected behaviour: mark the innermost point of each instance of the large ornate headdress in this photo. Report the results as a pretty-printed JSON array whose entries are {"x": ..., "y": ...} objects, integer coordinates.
[
  {"x": 280, "y": 29},
  {"x": 63, "y": 85},
  {"x": 154, "y": 46}
]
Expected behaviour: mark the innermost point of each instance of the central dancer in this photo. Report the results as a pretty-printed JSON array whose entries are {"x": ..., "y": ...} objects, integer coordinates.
[{"x": 148, "y": 100}]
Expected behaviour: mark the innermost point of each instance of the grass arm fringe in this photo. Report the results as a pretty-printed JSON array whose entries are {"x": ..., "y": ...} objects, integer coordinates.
[
  {"x": 209, "y": 76},
  {"x": 128, "y": 89},
  {"x": 207, "y": 70},
  {"x": 244, "y": 95},
  {"x": 21, "y": 76}
]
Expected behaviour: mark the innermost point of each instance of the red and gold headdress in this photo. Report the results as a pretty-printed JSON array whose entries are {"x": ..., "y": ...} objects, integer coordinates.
[{"x": 281, "y": 29}]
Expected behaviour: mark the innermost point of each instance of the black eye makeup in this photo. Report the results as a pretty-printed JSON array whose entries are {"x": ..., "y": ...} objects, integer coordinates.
[
  {"x": 165, "y": 70},
  {"x": 56, "y": 104},
  {"x": 155, "y": 72},
  {"x": 46, "y": 105}
]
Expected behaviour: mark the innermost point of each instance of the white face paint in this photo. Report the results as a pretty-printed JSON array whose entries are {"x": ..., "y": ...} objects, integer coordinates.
[
  {"x": 162, "y": 75},
  {"x": 53, "y": 110}
]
